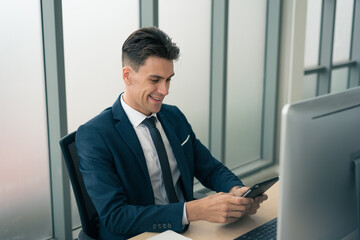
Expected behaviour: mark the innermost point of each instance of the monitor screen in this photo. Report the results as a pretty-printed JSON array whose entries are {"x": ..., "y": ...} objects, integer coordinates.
[{"x": 319, "y": 145}]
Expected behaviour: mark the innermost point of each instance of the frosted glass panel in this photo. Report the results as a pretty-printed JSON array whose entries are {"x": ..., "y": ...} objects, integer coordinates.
[
  {"x": 312, "y": 34},
  {"x": 94, "y": 32},
  {"x": 25, "y": 207},
  {"x": 339, "y": 79},
  {"x": 310, "y": 82},
  {"x": 246, "y": 47},
  {"x": 343, "y": 26},
  {"x": 190, "y": 87}
]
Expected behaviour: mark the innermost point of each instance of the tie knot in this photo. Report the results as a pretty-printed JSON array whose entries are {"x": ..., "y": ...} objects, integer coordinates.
[{"x": 150, "y": 122}]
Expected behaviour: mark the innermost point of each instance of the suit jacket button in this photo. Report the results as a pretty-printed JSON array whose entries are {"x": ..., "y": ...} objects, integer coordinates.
[
  {"x": 159, "y": 226},
  {"x": 169, "y": 225},
  {"x": 154, "y": 226},
  {"x": 164, "y": 226}
]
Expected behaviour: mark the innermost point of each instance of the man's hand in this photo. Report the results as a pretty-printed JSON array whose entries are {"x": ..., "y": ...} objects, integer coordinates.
[
  {"x": 239, "y": 191},
  {"x": 219, "y": 208}
]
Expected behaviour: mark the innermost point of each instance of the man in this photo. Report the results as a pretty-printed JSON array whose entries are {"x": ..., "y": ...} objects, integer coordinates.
[{"x": 139, "y": 157}]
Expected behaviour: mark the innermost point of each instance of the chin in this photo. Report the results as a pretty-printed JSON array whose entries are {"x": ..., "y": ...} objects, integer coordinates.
[{"x": 155, "y": 110}]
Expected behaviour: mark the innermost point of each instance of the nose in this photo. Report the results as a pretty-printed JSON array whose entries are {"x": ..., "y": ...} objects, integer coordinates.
[{"x": 163, "y": 88}]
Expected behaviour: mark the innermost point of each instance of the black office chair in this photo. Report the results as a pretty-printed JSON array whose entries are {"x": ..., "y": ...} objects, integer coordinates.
[{"x": 88, "y": 215}]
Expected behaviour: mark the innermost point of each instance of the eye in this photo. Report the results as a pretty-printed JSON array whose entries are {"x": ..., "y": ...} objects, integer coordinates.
[
  {"x": 154, "y": 80},
  {"x": 168, "y": 80}
]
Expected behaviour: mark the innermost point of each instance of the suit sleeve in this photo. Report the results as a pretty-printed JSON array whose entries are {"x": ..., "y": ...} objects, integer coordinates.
[
  {"x": 208, "y": 170},
  {"x": 107, "y": 192}
]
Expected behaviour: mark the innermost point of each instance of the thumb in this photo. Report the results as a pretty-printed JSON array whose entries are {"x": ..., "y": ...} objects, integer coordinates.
[
  {"x": 243, "y": 190},
  {"x": 239, "y": 191}
]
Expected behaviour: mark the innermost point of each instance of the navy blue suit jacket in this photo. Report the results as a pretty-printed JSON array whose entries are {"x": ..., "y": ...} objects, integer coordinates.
[{"x": 115, "y": 173}]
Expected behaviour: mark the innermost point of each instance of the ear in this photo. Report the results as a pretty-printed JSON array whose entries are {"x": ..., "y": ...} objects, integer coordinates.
[{"x": 126, "y": 74}]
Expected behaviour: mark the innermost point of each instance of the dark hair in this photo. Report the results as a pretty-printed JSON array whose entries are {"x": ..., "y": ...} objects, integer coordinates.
[{"x": 147, "y": 42}]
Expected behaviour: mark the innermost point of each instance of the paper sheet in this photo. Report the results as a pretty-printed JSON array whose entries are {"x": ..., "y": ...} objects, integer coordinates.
[{"x": 169, "y": 235}]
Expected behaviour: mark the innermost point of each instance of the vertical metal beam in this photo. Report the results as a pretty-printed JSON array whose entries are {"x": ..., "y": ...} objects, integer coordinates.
[
  {"x": 218, "y": 65},
  {"x": 326, "y": 45},
  {"x": 292, "y": 49},
  {"x": 354, "y": 79},
  {"x": 56, "y": 115},
  {"x": 271, "y": 75},
  {"x": 293, "y": 27},
  {"x": 149, "y": 13}
]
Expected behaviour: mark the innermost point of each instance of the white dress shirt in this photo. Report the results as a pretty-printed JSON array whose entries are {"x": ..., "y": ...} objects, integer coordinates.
[{"x": 151, "y": 157}]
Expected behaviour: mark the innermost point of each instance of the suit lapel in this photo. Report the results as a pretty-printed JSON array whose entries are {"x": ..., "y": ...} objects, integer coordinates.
[
  {"x": 178, "y": 153},
  {"x": 128, "y": 135}
]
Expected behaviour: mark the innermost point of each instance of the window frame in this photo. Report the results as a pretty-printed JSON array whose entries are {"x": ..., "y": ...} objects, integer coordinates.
[
  {"x": 326, "y": 64},
  {"x": 218, "y": 86}
]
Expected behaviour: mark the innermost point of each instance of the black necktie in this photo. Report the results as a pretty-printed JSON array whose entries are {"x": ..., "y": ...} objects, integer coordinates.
[{"x": 164, "y": 162}]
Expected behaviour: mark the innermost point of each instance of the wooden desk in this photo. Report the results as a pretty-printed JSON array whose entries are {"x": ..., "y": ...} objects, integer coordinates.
[{"x": 202, "y": 230}]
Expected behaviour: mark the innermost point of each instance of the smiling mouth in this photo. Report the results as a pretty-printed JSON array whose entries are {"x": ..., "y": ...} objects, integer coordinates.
[{"x": 156, "y": 99}]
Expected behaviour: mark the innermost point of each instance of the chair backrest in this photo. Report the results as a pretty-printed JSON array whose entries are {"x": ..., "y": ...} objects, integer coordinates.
[{"x": 88, "y": 215}]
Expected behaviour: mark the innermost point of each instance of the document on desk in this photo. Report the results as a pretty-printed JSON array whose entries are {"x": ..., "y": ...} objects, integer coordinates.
[{"x": 169, "y": 235}]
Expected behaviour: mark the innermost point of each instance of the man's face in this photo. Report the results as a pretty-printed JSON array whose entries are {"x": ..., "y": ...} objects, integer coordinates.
[{"x": 146, "y": 89}]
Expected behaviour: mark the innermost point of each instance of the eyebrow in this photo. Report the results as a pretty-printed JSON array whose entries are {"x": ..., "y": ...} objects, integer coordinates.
[{"x": 157, "y": 76}]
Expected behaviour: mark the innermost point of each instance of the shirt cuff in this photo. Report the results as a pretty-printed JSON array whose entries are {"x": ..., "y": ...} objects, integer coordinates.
[{"x": 184, "y": 218}]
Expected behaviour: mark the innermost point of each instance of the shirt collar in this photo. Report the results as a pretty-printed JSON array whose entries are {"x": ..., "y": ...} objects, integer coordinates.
[{"x": 135, "y": 117}]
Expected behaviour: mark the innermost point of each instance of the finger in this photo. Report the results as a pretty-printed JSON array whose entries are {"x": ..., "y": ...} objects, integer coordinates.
[
  {"x": 239, "y": 191},
  {"x": 240, "y": 200},
  {"x": 251, "y": 212},
  {"x": 240, "y": 207},
  {"x": 236, "y": 214},
  {"x": 234, "y": 204},
  {"x": 242, "y": 190},
  {"x": 261, "y": 198},
  {"x": 255, "y": 206},
  {"x": 233, "y": 201},
  {"x": 243, "y": 205}
]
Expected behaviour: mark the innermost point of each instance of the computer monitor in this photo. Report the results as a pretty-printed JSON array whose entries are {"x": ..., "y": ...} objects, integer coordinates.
[{"x": 319, "y": 150}]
